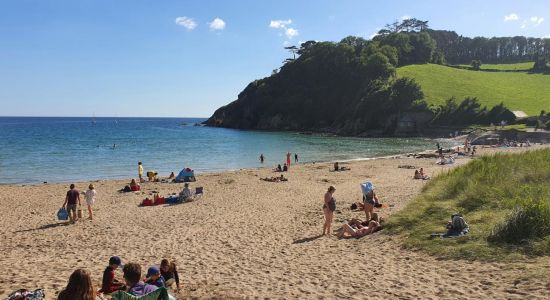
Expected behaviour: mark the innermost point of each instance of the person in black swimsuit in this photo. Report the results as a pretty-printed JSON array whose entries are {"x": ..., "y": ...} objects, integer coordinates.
[{"x": 329, "y": 207}]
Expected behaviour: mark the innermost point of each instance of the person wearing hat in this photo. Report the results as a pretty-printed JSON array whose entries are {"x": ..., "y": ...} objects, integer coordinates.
[
  {"x": 154, "y": 277},
  {"x": 90, "y": 200},
  {"x": 110, "y": 284},
  {"x": 186, "y": 195}
]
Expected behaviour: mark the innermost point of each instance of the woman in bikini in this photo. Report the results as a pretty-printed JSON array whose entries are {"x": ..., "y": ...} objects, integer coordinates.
[
  {"x": 369, "y": 199},
  {"x": 329, "y": 207}
]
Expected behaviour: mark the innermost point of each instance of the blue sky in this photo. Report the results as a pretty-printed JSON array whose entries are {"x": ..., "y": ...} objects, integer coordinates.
[{"x": 187, "y": 58}]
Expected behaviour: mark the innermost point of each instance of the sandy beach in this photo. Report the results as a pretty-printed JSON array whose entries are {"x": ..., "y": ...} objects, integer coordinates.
[{"x": 247, "y": 238}]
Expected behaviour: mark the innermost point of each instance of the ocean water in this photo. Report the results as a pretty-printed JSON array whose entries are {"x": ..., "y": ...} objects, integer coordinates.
[{"x": 38, "y": 149}]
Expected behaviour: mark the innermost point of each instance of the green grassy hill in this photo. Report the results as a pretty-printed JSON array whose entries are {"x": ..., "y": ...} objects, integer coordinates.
[
  {"x": 505, "y": 198},
  {"x": 526, "y": 66},
  {"x": 518, "y": 90}
]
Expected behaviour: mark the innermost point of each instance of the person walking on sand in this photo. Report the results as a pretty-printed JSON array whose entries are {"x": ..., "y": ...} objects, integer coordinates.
[
  {"x": 329, "y": 207},
  {"x": 140, "y": 171},
  {"x": 288, "y": 159},
  {"x": 72, "y": 198},
  {"x": 90, "y": 200},
  {"x": 262, "y": 158},
  {"x": 296, "y": 157}
]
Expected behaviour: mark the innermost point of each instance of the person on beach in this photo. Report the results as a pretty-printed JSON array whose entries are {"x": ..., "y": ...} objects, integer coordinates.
[
  {"x": 71, "y": 200},
  {"x": 132, "y": 277},
  {"x": 336, "y": 167},
  {"x": 169, "y": 271},
  {"x": 109, "y": 284},
  {"x": 296, "y": 157},
  {"x": 186, "y": 195},
  {"x": 172, "y": 176},
  {"x": 140, "y": 172},
  {"x": 79, "y": 287},
  {"x": 154, "y": 277},
  {"x": 262, "y": 158},
  {"x": 360, "y": 230},
  {"x": 278, "y": 169},
  {"x": 329, "y": 207},
  {"x": 90, "y": 200},
  {"x": 134, "y": 186},
  {"x": 288, "y": 159},
  {"x": 285, "y": 168},
  {"x": 369, "y": 200}
]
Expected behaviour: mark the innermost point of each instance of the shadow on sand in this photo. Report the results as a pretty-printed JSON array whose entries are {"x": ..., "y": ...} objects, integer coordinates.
[
  {"x": 307, "y": 239},
  {"x": 47, "y": 226}
]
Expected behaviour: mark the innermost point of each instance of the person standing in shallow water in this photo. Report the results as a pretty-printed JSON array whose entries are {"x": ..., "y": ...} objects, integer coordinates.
[
  {"x": 140, "y": 171},
  {"x": 288, "y": 159},
  {"x": 262, "y": 158},
  {"x": 329, "y": 207},
  {"x": 296, "y": 157}
]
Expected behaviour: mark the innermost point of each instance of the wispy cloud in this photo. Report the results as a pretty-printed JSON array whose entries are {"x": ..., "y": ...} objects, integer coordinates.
[
  {"x": 405, "y": 17},
  {"x": 511, "y": 17},
  {"x": 186, "y": 22},
  {"x": 536, "y": 21},
  {"x": 217, "y": 24},
  {"x": 289, "y": 32},
  {"x": 280, "y": 23}
]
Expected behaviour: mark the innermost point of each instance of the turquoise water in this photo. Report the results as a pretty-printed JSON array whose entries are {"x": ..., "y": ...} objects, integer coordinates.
[{"x": 75, "y": 149}]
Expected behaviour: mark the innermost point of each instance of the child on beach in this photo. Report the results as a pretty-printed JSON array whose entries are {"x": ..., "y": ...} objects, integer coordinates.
[
  {"x": 140, "y": 172},
  {"x": 109, "y": 283},
  {"x": 132, "y": 277},
  {"x": 79, "y": 287},
  {"x": 90, "y": 200},
  {"x": 154, "y": 277},
  {"x": 169, "y": 271}
]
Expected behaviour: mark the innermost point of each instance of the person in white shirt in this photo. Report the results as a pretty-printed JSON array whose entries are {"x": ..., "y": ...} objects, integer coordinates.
[
  {"x": 90, "y": 199},
  {"x": 186, "y": 195}
]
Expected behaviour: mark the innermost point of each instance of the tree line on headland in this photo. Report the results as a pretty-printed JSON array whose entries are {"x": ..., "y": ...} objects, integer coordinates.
[{"x": 350, "y": 87}]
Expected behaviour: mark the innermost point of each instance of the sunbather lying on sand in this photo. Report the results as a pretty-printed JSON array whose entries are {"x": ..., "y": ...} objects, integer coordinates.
[
  {"x": 357, "y": 228},
  {"x": 275, "y": 179}
]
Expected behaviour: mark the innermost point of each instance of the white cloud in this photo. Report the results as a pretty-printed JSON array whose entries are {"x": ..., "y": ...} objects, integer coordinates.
[
  {"x": 524, "y": 25},
  {"x": 217, "y": 24},
  {"x": 536, "y": 20},
  {"x": 280, "y": 23},
  {"x": 186, "y": 22},
  {"x": 405, "y": 17},
  {"x": 511, "y": 17},
  {"x": 291, "y": 32}
]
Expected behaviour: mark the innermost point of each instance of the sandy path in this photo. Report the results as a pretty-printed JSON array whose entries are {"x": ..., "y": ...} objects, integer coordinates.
[{"x": 247, "y": 238}]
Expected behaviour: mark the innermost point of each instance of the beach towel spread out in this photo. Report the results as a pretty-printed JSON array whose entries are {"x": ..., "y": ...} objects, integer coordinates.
[
  {"x": 24, "y": 294},
  {"x": 158, "y": 294}
]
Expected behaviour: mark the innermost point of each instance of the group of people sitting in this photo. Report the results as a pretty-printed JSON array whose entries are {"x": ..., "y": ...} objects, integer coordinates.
[
  {"x": 420, "y": 174},
  {"x": 275, "y": 178},
  {"x": 279, "y": 169},
  {"x": 80, "y": 284}
]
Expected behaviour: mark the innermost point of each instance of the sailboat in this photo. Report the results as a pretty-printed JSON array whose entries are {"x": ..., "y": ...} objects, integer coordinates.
[{"x": 93, "y": 120}]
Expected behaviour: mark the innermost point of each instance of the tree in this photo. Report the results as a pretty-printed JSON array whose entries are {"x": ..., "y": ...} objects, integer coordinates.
[{"x": 293, "y": 50}]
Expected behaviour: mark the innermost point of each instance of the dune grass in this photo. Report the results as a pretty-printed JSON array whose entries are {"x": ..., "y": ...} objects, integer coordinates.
[
  {"x": 505, "y": 198},
  {"x": 517, "y": 90}
]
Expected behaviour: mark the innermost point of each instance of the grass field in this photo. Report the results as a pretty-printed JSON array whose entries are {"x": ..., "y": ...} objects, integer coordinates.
[
  {"x": 508, "y": 67},
  {"x": 518, "y": 90},
  {"x": 505, "y": 199}
]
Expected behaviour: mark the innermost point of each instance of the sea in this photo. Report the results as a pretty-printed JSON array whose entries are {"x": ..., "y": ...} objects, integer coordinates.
[{"x": 60, "y": 149}]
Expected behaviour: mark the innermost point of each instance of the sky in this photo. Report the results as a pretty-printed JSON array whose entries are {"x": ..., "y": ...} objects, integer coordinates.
[{"x": 187, "y": 58}]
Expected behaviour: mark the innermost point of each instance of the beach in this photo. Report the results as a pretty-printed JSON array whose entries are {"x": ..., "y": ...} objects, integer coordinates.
[{"x": 246, "y": 238}]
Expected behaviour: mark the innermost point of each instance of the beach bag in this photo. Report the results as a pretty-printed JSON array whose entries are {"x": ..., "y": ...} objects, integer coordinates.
[
  {"x": 62, "y": 214},
  {"x": 147, "y": 202}
]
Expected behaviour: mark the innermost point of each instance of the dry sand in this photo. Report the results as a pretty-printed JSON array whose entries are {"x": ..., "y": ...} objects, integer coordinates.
[{"x": 248, "y": 238}]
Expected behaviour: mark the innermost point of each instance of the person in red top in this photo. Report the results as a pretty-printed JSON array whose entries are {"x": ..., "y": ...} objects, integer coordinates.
[
  {"x": 72, "y": 198},
  {"x": 109, "y": 284},
  {"x": 288, "y": 159}
]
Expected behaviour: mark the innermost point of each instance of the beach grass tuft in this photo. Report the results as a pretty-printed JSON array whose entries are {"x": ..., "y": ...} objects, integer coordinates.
[{"x": 505, "y": 198}]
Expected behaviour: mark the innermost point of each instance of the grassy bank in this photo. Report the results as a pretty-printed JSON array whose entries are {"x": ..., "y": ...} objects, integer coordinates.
[
  {"x": 505, "y": 198},
  {"x": 518, "y": 90},
  {"x": 525, "y": 66}
]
